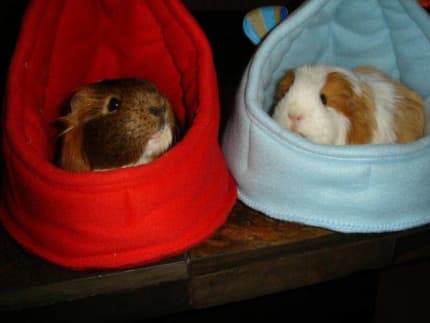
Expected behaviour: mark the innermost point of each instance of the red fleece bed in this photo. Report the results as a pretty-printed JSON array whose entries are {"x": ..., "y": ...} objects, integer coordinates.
[{"x": 128, "y": 216}]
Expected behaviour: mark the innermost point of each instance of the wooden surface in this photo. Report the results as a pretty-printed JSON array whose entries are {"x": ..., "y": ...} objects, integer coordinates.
[
  {"x": 250, "y": 256},
  {"x": 253, "y": 255}
]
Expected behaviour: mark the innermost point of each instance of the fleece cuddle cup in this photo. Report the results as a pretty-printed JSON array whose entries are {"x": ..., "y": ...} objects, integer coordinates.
[
  {"x": 371, "y": 188},
  {"x": 127, "y": 216}
]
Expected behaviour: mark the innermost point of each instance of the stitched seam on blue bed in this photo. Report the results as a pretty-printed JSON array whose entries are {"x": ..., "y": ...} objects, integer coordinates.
[{"x": 327, "y": 223}]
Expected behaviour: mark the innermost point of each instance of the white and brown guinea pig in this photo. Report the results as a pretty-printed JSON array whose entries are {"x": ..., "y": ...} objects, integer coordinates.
[
  {"x": 116, "y": 123},
  {"x": 332, "y": 105}
]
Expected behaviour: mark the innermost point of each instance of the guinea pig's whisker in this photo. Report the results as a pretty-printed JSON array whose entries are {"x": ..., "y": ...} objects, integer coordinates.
[{"x": 62, "y": 133}]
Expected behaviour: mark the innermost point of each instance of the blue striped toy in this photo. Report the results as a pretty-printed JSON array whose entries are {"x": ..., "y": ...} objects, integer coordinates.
[{"x": 260, "y": 21}]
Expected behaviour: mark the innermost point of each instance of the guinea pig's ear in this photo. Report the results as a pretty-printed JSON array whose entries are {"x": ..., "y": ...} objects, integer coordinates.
[
  {"x": 76, "y": 114},
  {"x": 339, "y": 93},
  {"x": 79, "y": 99},
  {"x": 84, "y": 106},
  {"x": 72, "y": 156},
  {"x": 357, "y": 106},
  {"x": 284, "y": 85}
]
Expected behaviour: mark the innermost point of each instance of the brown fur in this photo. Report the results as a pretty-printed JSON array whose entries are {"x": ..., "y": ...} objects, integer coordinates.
[
  {"x": 72, "y": 156},
  {"x": 95, "y": 138},
  {"x": 360, "y": 110},
  {"x": 284, "y": 85},
  {"x": 409, "y": 119}
]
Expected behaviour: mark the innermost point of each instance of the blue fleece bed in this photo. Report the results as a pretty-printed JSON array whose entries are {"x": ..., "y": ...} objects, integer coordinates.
[{"x": 360, "y": 188}]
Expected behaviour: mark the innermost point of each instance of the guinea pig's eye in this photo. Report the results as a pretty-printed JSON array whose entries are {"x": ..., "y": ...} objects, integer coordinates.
[
  {"x": 323, "y": 99},
  {"x": 114, "y": 104}
]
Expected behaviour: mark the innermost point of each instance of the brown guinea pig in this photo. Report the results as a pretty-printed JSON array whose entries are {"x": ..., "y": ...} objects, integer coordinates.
[
  {"x": 333, "y": 105},
  {"x": 116, "y": 123}
]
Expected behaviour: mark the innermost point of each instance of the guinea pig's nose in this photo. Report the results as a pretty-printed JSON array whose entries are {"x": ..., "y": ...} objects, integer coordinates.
[
  {"x": 293, "y": 121},
  {"x": 295, "y": 117},
  {"x": 157, "y": 111}
]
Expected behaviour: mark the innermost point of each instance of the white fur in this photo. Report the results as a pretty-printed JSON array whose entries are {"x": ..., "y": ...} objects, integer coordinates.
[
  {"x": 320, "y": 124},
  {"x": 386, "y": 101},
  {"x": 158, "y": 144},
  {"x": 323, "y": 124}
]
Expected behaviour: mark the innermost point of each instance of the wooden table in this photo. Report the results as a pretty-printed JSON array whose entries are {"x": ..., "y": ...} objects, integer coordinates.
[{"x": 251, "y": 255}]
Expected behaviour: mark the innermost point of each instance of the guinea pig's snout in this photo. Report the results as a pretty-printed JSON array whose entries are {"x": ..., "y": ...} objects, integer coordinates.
[
  {"x": 160, "y": 112},
  {"x": 294, "y": 120}
]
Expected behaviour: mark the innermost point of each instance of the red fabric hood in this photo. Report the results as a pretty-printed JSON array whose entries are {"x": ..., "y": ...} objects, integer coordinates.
[{"x": 127, "y": 216}]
